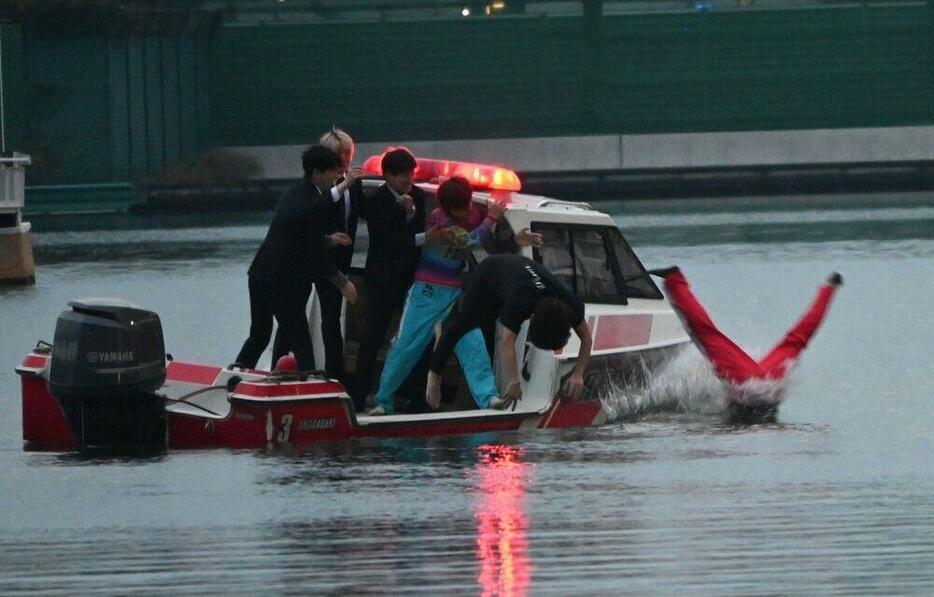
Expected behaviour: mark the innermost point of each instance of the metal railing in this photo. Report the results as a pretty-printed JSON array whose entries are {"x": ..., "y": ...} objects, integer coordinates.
[
  {"x": 248, "y": 11},
  {"x": 13, "y": 181}
]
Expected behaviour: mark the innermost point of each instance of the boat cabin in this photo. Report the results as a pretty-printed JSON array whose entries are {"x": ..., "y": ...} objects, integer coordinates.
[{"x": 585, "y": 249}]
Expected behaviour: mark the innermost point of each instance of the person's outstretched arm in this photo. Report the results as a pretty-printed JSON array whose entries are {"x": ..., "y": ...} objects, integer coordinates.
[
  {"x": 575, "y": 384},
  {"x": 316, "y": 252},
  {"x": 507, "y": 351}
]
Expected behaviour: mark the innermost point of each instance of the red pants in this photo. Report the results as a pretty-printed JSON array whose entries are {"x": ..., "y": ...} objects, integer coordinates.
[{"x": 729, "y": 360}]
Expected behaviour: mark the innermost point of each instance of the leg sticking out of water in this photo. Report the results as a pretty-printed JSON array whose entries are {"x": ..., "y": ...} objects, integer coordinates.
[
  {"x": 730, "y": 362},
  {"x": 776, "y": 362}
]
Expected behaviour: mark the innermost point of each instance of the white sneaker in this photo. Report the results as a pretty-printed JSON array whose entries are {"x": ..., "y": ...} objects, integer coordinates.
[
  {"x": 377, "y": 411},
  {"x": 497, "y": 403}
]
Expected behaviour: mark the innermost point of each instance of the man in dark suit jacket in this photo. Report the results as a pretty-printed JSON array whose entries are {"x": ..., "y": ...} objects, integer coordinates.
[
  {"x": 345, "y": 206},
  {"x": 395, "y": 216},
  {"x": 292, "y": 255},
  {"x": 341, "y": 230}
]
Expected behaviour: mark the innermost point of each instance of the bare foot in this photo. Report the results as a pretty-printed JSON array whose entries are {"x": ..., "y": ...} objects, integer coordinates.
[{"x": 433, "y": 390}]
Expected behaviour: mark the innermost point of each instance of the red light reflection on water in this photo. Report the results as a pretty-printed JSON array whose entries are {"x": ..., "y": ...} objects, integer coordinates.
[{"x": 502, "y": 549}]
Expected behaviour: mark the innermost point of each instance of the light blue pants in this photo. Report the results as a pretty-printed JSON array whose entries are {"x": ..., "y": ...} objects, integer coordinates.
[{"x": 425, "y": 306}]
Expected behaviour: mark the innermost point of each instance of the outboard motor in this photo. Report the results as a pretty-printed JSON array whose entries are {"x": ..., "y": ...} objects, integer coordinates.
[{"x": 108, "y": 361}]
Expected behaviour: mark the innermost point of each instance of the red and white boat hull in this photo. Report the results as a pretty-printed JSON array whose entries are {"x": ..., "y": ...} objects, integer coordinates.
[{"x": 264, "y": 412}]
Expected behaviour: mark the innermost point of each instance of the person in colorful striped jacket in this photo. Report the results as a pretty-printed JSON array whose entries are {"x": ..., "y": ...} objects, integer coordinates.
[{"x": 438, "y": 282}]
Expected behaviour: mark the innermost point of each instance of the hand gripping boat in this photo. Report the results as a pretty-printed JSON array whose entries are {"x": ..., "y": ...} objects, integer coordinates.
[{"x": 106, "y": 381}]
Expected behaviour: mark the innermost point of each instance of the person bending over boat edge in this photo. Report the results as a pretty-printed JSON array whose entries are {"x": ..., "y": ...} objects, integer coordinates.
[
  {"x": 752, "y": 384},
  {"x": 509, "y": 289},
  {"x": 437, "y": 285}
]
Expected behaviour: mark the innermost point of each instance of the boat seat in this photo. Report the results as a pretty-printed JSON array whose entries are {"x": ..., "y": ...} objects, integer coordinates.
[{"x": 210, "y": 404}]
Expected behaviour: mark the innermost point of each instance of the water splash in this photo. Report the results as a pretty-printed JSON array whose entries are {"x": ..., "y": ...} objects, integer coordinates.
[
  {"x": 688, "y": 384},
  {"x": 685, "y": 384}
]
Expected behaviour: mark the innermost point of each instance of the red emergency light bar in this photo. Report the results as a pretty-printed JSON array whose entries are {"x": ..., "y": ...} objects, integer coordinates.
[{"x": 480, "y": 176}]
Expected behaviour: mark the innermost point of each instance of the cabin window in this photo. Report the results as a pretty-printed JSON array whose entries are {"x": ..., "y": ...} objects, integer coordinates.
[
  {"x": 594, "y": 271},
  {"x": 595, "y": 262},
  {"x": 556, "y": 255},
  {"x": 639, "y": 284}
]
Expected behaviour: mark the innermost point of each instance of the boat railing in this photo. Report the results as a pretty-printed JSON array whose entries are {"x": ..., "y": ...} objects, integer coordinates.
[
  {"x": 12, "y": 181},
  {"x": 559, "y": 202}
]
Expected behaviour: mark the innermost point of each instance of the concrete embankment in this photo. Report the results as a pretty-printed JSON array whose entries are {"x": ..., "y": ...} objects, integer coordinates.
[
  {"x": 590, "y": 168},
  {"x": 681, "y": 165}
]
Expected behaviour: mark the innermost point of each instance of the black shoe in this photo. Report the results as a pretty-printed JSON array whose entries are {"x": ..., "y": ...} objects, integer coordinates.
[
  {"x": 663, "y": 272},
  {"x": 835, "y": 279},
  {"x": 359, "y": 402},
  {"x": 347, "y": 380}
]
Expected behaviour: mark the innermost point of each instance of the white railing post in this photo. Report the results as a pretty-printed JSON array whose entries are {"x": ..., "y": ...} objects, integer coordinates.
[{"x": 16, "y": 262}]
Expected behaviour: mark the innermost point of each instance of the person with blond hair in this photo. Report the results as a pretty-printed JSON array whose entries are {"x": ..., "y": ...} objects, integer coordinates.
[{"x": 344, "y": 207}]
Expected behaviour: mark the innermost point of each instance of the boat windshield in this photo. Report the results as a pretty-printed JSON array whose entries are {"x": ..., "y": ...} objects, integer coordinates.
[{"x": 595, "y": 262}]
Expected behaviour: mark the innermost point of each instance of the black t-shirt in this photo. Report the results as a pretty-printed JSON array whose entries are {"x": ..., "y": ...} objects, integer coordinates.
[{"x": 509, "y": 288}]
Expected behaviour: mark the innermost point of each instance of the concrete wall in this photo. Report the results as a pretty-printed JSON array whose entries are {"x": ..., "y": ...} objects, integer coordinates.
[{"x": 636, "y": 152}]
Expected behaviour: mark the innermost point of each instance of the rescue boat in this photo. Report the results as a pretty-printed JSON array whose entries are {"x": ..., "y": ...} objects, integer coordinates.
[{"x": 106, "y": 381}]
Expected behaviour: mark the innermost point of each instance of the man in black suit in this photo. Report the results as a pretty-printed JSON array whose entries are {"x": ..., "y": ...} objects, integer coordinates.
[
  {"x": 292, "y": 255},
  {"x": 345, "y": 204},
  {"x": 345, "y": 207},
  {"x": 395, "y": 216}
]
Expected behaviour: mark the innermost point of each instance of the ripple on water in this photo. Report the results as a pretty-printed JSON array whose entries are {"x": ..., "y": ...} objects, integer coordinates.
[{"x": 834, "y": 497}]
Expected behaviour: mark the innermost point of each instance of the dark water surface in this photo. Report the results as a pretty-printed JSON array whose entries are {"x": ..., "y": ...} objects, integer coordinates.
[{"x": 836, "y": 497}]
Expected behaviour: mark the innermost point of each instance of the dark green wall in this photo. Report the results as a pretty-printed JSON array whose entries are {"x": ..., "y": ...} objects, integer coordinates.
[
  {"x": 115, "y": 108},
  {"x": 67, "y": 112},
  {"x": 526, "y": 76},
  {"x": 14, "y": 97},
  {"x": 818, "y": 68},
  {"x": 120, "y": 104},
  {"x": 440, "y": 79}
]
